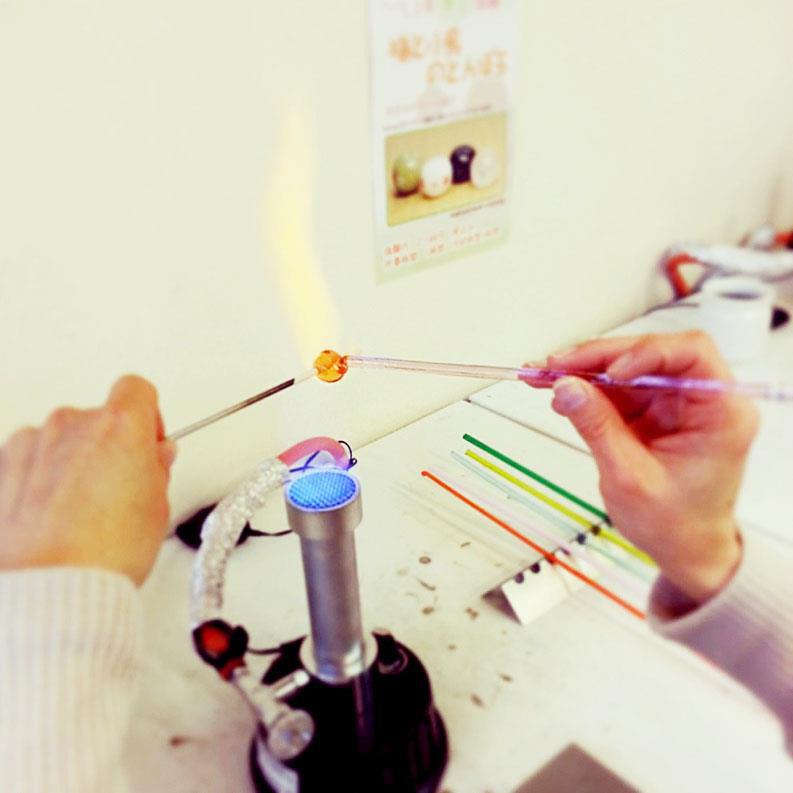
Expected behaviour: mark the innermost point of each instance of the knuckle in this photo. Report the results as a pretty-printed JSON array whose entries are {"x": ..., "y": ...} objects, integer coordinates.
[
  {"x": 702, "y": 342},
  {"x": 22, "y": 436},
  {"x": 20, "y": 440},
  {"x": 697, "y": 337},
  {"x": 62, "y": 417},
  {"x": 646, "y": 354},
  {"x": 114, "y": 420},
  {"x": 647, "y": 348},
  {"x": 106, "y": 421},
  {"x": 657, "y": 345},
  {"x": 649, "y": 340}
]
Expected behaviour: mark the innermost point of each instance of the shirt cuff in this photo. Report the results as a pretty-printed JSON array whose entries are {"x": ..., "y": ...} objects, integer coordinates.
[
  {"x": 746, "y": 629},
  {"x": 72, "y": 640}
]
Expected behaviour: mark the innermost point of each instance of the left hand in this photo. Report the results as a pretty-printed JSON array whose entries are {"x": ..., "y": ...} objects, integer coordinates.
[{"x": 89, "y": 487}]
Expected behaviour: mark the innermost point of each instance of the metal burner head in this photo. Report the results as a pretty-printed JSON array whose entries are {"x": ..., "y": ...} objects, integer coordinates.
[{"x": 323, "y": 504}]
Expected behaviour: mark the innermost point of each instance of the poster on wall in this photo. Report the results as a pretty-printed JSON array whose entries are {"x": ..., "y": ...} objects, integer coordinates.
[{"x": 442, "y": 73}]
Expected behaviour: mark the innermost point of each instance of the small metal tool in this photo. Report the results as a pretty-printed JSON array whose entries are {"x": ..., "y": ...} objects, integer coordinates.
[{"x": 205, "y": 422}]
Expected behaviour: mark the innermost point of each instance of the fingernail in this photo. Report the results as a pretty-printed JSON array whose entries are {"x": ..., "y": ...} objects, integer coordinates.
[{"x": 569, "y": 394}]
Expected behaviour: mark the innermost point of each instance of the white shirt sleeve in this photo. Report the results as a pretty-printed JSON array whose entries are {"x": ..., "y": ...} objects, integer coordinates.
[
  {"x": 71, "y": 644},
  {"x": 746, "y": 629}
]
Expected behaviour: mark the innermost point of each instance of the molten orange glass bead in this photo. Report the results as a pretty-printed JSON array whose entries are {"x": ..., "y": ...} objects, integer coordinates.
[{"x": 330, "y": 366}]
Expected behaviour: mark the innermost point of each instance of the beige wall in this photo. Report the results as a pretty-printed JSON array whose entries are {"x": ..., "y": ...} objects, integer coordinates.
[{"x": 164, "y": 164}]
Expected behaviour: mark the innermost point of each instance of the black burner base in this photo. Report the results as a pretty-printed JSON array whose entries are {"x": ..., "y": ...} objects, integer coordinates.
[{"x": 400, "y": 746}]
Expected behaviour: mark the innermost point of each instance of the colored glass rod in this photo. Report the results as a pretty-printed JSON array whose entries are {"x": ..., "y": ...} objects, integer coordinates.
[
  {"x": 550, "y": 558},
  {"x": 547, "y": 514},
  {"x": 570, "y": 546},
  {"x": 539, "y": 495},
  {"x": 536, "y": 477},
  {"x": 542, "y": 376},
  {"x": 607, "y": 534}
]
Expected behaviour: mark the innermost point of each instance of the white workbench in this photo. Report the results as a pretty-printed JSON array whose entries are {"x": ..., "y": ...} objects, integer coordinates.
[{"x": 512, "y": 696}]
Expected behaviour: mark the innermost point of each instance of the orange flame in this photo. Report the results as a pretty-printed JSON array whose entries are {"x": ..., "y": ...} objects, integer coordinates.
[{"x": 298, "y": 276}]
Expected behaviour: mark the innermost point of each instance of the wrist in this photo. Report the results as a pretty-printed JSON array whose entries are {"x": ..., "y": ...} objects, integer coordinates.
[{"x": 703, "y": 579}]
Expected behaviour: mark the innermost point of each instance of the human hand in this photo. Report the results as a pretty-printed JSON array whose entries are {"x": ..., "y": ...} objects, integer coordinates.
[
  {"x": 670, "y": 463},
  {"x": 89, "y": 487}
]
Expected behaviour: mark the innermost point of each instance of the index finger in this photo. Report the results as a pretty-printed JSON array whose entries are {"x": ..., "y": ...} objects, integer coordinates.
[
  {"x": 135, "y": 396},
  {"x": 691, "y": 354},
  {"x": 592, "y": 356}
]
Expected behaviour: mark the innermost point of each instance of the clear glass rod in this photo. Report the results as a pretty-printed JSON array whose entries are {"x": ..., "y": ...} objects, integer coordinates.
[{"x": 540, "y": 376}]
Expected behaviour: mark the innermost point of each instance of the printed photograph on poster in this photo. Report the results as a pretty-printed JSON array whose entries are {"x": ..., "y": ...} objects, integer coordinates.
[
  {"x": 442, "y": 168},
  {"x": 442, "y": 74}
]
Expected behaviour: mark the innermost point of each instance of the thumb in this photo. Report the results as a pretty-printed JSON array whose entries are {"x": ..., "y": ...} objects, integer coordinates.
[{"x": 598, "y": 423}]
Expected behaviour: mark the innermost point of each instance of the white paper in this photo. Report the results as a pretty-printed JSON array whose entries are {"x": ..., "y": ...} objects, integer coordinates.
[{"x": 531, "y": 594}]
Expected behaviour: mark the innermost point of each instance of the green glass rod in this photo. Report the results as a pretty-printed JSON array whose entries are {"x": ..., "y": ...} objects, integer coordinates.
[{"x": 537, "y": 477}]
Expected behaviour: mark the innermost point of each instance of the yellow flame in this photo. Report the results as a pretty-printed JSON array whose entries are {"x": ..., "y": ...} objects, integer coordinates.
[{"x": 309, "y": 307}]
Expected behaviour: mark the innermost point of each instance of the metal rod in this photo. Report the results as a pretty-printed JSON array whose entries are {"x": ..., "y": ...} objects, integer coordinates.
[{"x": 205, "y": 422}]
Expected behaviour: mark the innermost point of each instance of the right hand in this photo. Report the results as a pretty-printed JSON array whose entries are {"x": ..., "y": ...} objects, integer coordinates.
[
  {"x": 89, "y": 487},
  {"x": 670, "y": 464}
]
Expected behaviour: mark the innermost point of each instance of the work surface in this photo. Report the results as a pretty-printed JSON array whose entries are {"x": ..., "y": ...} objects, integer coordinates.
[{"x": 513, "y": 696}]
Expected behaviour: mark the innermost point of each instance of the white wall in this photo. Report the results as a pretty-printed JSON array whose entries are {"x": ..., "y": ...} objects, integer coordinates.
[{"x": 150, "y": 153}]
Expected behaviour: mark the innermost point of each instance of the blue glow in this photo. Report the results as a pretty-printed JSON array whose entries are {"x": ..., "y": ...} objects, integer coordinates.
[{"x": 322, "y": 490}]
